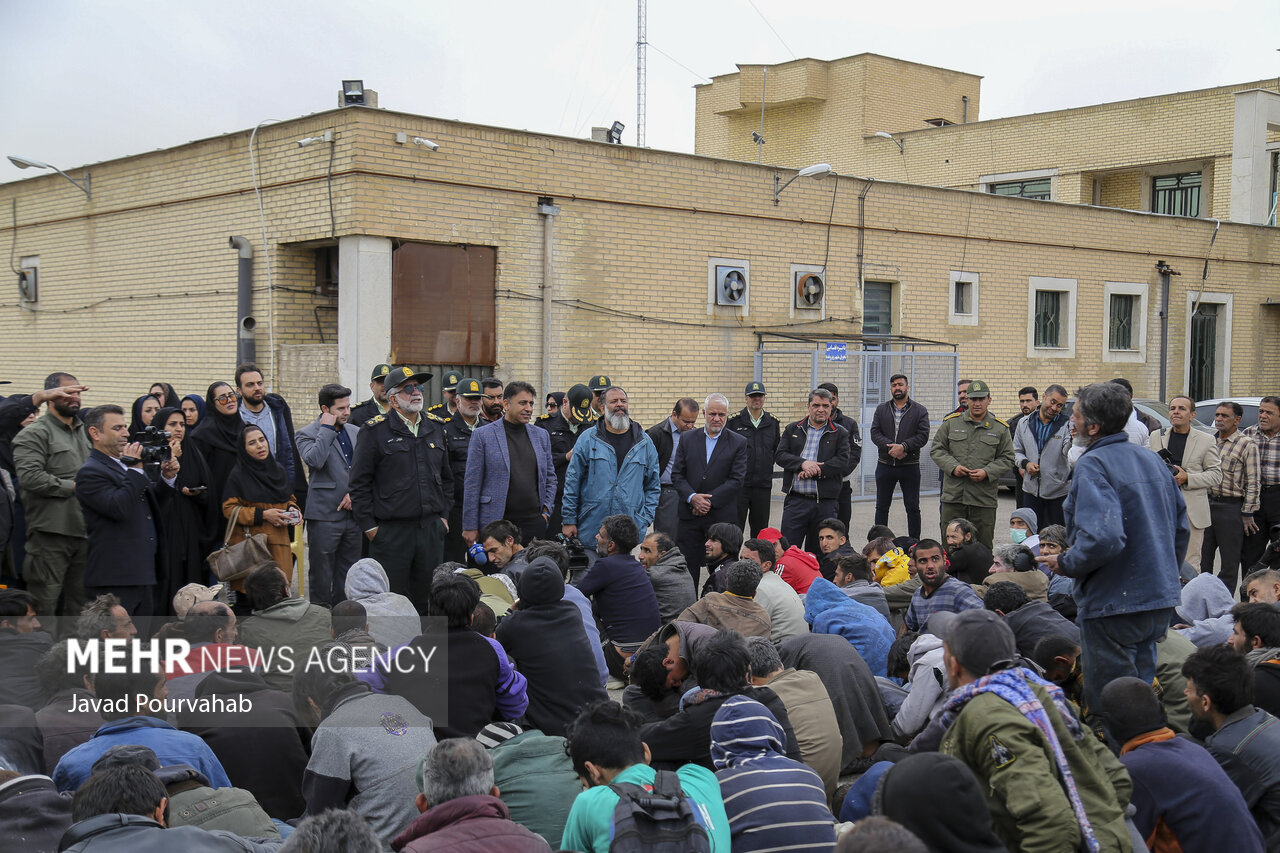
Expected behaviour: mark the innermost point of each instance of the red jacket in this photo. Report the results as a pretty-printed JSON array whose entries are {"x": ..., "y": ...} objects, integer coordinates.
[
  {"x": 798, "y": 568},
  {"x": 479, "y": 824}
]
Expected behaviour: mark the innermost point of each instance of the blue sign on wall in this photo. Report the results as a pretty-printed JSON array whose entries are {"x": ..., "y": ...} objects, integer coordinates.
[{"x": 837, "y": 351}]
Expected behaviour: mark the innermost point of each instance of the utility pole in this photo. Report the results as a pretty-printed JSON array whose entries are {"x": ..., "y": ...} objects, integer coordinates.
[{"x": 642, "y": 43}]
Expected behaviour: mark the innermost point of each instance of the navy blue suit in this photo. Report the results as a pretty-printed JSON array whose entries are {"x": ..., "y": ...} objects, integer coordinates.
[
  {"x": 121, "y": 514},
  {"x": 721, "y": 476}
]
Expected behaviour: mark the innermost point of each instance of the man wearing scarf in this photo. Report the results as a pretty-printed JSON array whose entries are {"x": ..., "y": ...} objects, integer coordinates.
[{"x": 1050, "y": 784}]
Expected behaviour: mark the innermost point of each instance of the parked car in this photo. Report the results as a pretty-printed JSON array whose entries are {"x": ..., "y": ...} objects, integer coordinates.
[
  {"x": 1206, "y": 408},
  {"x": 1157, "y": 410}
]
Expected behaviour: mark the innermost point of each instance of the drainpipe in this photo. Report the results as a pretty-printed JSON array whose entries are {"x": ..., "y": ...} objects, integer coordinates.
[
  {"x": 1165, "y": 271},
  {"x": 862, "y": 230},
  {"x": 245, "y": 323},
  {"x": 965, "y": 100},
  {"x": 548, "y": 211}
]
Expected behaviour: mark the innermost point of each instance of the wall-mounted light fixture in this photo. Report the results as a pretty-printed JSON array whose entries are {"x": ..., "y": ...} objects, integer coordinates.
[
  {"x": 353, "y": 93},
  {"x": 817, "y": 170},
  {"x": 28, "y": 163},
  {"x": 889, "y": 136}
]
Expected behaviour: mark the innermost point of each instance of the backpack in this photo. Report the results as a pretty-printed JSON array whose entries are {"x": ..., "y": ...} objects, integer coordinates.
[{"x": 660, "y": 820}]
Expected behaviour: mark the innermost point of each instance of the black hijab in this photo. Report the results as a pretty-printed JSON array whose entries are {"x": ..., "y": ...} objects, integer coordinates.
[
  {"x": 257, "y": 480},
  {"x": 136, "y": 425},
  {"x": 170, "y": 398},
  {"x": 216, "y": 429},
  {"x": 193, "y": 470}
]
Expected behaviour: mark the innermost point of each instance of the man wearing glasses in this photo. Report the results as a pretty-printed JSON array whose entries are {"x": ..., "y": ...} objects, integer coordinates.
[{"x": 402, "y": 487}]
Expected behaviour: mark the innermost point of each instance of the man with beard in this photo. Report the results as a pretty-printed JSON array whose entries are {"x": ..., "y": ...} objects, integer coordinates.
[
  {"x": 402, "y": 487},
  {"x": 899, "y": 429},
  {"x": 491, "y": 404},
  {"x": 619, "y": 587},
  {"x": 938, "y": 590},
  {"x": 458, "y": 429},
  {"x": 47, "y": 456},
  {"x": 449, "y": 393},
  {"x": 271, "y": 413},
  {"x": 1127, "y": 529},
  {"x": 375, "y": 405},
  {"x": 814, "y": 455},
  {"x": 614, "y": 469}
]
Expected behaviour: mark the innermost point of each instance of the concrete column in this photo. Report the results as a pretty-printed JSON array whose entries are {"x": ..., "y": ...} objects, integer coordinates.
[
  {"x": 364, "y": 309},
  {"x": 1257, "y": 111}
]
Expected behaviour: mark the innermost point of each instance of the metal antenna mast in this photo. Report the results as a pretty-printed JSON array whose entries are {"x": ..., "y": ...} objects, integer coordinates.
[{"x": 642, "y": 41}]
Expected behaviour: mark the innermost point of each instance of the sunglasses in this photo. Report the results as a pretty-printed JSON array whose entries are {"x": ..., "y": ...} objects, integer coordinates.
[
  {"x": 409, "y": 390},
  {"x": 224, "y": 398},
  {"x": 553, "y": 406}
]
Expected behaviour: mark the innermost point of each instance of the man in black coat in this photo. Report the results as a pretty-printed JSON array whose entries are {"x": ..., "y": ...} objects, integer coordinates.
[
  {"x": 22, "y": 644},
  {"x": 844, "y": 503},
  {"x": 375, "y": 405},
  {"x": 709, "y": 468},
  {"x": 666, "y": 437},
  {"x": 121, "y": 506},
  {"x": 814, "y": 455},
  {"x": 762, "y": 431}
]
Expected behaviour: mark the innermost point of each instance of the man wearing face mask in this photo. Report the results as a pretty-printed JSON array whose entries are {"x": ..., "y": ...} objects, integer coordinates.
[
  {"x": 402, "y": 487},
  {"x": 1022, "y": 529}
]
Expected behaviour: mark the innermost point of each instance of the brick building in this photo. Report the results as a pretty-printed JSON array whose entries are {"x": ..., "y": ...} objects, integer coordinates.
[{"x": 552, "y": 259}]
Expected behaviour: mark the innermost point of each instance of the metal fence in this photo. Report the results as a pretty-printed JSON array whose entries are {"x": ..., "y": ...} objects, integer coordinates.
[{"x": 860, "y": 368}]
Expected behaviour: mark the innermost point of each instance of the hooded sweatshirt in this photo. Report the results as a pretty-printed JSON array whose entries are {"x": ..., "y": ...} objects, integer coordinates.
[
  {"x": 772, "y": 801},
  {"x": 672, "y": 584},
  {"x": 830, "y": 611},
  {"x": 545, "y": 638},
  {"x": 1206, "y": 610},
  {"x": 956, "y": 819},
  {"x": 798, "y": 568},
  {"x": 287, "y": 629},
  {"x": 927, "y": 686},
  {"x": 393, "y": 621}
]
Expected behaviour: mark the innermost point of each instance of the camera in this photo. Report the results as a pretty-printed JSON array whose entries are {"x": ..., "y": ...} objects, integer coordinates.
[
  {"x": 155, "y": 445},
  {"x": 1167, "y": 457},
  {"x": 578, "y": 560}
]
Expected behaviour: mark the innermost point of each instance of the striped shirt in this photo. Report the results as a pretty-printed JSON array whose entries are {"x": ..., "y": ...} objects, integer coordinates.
[
  {"x": 1268, "y": 455},
  {"x": 812, "y": 437},
  {"x": 773, "y": 802},
  {"x": 1240, "y": 471},
  {"x": 954, "y": 596}
]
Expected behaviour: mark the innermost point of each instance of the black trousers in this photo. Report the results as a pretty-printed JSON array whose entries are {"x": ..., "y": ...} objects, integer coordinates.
[
  {"x": 409, "y": 551},
  {"x": 1048, "y": 510},
  {"x": 1224, "y": 534},
  {"x": 1266, "y": 516},
  {"x": 844, "y": 504},
  {"x": 800, "y": 517},
  {"x": 907, "y": 477},
  {"x": 755, "y": 504},
  {"x": 138, "y": 601},
  {"x": 691, "y": 539},
  {"x": 531, "y": 527}
]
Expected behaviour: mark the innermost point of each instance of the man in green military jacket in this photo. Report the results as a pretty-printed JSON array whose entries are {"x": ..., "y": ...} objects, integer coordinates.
[{"x": 974, "y": 450}]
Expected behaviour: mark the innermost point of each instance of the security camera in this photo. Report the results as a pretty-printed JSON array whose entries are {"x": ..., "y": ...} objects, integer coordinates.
[{"x": 427, "y": 143}]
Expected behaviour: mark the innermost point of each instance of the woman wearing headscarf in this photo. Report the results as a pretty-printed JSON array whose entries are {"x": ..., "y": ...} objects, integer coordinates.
[
  {"x": 193, "y": 410},
  {"x": 144, "y": 411},
  {"x": 164, "y": 392},
  {"x": 259, "y": 490},
  {"x": 187, "y": 519},
  {"x": 218, "y": 435}
]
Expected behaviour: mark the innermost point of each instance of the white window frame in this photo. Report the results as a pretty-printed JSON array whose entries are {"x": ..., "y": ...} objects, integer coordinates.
[
  {"x": 1222, "y": 376},
  {"x": 985, "y": 181},
  {"x": 1138, "y": 355},
  {"x": 973, "y": 279},
  {"x": 1062, "y": 285},
  {"x": 727, "y": 310}
]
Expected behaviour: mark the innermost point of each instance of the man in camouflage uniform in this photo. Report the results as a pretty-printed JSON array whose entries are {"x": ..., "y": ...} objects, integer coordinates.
[{"x": 973, "y": 449}]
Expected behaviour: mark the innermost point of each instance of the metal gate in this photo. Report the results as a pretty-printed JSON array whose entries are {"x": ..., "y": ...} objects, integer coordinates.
[{"x": 789, "y": 366}]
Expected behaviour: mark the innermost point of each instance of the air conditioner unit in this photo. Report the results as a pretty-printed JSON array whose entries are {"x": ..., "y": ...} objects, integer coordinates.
[
  {"x": 810, "y": 289},
  {"x": 731, "y": 285},
  {"x": 29, "y": 284}
]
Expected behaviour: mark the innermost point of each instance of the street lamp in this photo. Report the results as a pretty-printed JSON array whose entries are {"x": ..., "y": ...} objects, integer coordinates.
[
  {"x": 818, "y": 170},
  {"x": 28, "y": 163},
  {"x": 889, "y": 136}
]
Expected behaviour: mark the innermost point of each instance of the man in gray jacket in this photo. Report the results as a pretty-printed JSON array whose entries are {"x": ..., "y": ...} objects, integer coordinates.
[
  {"x": 1040, "y": 445},
  {"x": 669, "y": 574},
  {"x": 327, "y": 445}
]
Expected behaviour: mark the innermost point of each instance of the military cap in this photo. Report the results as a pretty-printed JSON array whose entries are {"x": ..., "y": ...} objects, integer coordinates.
[
  {"x": 599, "y": 383},
  {"x": 380, "y": 372},
  {"x": 978, "y": 388},
  {"x": 402, "y": 374},
  {"x": 580, "y": 399},
  {"x": 451, "y": 380},
  {"x": 469, "y": 388},
  {"x": 755, "y": 388}
]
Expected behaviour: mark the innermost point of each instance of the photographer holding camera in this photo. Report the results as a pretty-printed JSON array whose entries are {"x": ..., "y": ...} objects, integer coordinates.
[
  {"x": 1192, "y": 458},
  {"x": 121, "y": 508}
]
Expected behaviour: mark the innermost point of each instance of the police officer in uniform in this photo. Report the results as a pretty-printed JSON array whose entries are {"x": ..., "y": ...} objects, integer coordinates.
[
  {"x": 844, "y": 504},
  {"x": 973, "y": 449},
  {"x": 762, "y": 431},
  {"x": 467, "y": 396},
  {"x": 565, "y": 426},
  {"x": 375, "y": 405},
  {"x": 402, "y": 487},
  {"x": 598, "y": 385},
  {"x": 449, "y": 391}
]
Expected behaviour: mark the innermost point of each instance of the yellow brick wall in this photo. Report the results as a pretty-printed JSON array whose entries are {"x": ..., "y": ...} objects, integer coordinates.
[{"x": 632, "y": 242}]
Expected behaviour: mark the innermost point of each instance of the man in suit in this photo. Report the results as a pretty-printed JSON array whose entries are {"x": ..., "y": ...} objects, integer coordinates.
[
  {"x": 121, "y": 513},
  {"x": 328, "y": 445},
  {"x": 666, "y": 438},
  {"x": 509, "y": 471},
  {"x": 708, "y": 471},
  {"x": 1196, "y": 465}
]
